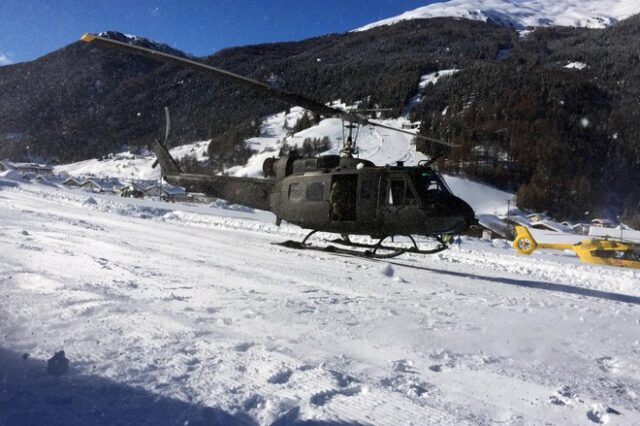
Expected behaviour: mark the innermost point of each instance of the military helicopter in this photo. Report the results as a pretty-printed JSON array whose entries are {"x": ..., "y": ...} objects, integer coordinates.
[{"x": 332, "y": 193}]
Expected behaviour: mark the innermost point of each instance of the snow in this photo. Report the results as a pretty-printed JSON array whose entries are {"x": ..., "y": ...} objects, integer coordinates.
[
  {"x": 576, "y": 65},
  {"x": 4, "y": 60},
  {"x": 521, "y": 14},
  {"x": 128, "y": 166},
  {"x": 431, "y": 78},
  {"x": 380, "y": 146},
  {"x": 174, "y": 313}
]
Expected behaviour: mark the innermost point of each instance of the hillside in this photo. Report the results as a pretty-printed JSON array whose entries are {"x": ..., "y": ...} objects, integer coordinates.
[
  {"x": 84, "y": 101},
  {"x": 551, "y": 114},
  {"x": 556, "y": 118}
]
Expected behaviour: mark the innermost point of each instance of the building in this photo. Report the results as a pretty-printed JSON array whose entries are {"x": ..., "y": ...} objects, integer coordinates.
[
  {"x": 26, "y": 168},
  {"x": 603, "y": 223},
  {"x": 72, "y": 182},
  {"x": 167, "y": 192},
  {"x": 101, "y": 185},
  {"x": 536, "y": 217}
]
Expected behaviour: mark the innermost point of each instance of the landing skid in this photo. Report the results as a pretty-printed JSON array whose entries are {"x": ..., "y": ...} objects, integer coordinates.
[{"x": 375, "y": 251}]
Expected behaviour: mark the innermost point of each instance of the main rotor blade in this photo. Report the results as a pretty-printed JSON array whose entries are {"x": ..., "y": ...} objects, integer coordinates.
[
  {"x": 282, "y": 95},
  {"x": 288, "y": 97},
  {"x": 426, "y": 138}
]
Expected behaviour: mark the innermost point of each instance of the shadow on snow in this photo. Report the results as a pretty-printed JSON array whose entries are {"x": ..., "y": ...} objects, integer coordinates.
[
  {"x": 29, "y": 396},
  {"x": 562, "y": 288}
]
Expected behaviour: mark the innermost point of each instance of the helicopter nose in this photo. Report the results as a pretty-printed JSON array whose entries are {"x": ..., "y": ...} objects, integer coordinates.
[{"x": 463, "y": 212}]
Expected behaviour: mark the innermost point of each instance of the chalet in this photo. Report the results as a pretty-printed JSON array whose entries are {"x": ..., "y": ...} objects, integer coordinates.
[
  {"x": 26, "y": 168},
  {"x": 101, "y": 185},
  {"x": 72, "y": 182},
  {"x": 603, "y": 223},
  {"x": 536, "y": 217},
  {"x": 142, "y": 185},
  {"x": 581, "y": 228},
  {"x": 491, "y": 227},
  {"x": 167, "y": 192}
]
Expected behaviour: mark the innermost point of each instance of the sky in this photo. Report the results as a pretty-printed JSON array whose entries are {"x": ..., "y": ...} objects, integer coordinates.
[{"x": 32, "y": 28}]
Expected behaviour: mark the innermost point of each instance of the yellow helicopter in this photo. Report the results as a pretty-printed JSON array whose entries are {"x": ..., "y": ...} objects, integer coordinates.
[{"x": 597, "y": 251}]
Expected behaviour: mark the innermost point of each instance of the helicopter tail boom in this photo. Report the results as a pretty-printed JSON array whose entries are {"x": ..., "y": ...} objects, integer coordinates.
[{"x": 250, "y": 192}]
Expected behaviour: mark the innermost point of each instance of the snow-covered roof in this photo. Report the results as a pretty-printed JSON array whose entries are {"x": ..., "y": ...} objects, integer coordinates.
[
  {"x": 555, "y": 226},
  {"x": 72, "y": 179},
  {"x": 10, "y": 165},
  {"x": 603, "y": 222},
  {"x": 493, "y": 223},
  {"x": 104, "y": 184},
  {"x": 167, "y": 189},
  {"x": 142, "y": 185}
]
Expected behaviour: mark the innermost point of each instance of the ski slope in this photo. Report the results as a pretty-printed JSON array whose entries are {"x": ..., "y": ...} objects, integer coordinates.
[{"x": 187, "y": 314}]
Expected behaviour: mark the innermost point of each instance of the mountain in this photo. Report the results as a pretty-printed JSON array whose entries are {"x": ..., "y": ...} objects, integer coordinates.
[
  {"x": 85, "y": 101},
  {"x": 521, "y": 14},
  {"x": 552, "y": 114}
]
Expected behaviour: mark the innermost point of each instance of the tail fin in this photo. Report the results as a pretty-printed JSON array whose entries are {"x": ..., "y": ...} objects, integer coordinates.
[{"x": 168, "y": 166}]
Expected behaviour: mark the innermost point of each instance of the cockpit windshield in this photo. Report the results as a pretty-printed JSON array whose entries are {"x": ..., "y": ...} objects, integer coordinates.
[{"x": 430, "y": 184}]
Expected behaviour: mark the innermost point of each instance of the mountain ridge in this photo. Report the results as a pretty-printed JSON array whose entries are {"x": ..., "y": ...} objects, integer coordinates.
[{"x": 522, "y": 14}]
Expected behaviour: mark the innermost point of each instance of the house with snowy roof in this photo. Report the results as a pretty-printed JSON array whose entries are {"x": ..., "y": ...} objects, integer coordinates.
[
  {"x": 101, "y": 185},
  {"x": 26, "y": 168},
  {"x": 141, "y": 184},
  {"x": 168, "y": 192},
  {"x": 603, "y": 223},
  {"x": 72, "y": 182}
]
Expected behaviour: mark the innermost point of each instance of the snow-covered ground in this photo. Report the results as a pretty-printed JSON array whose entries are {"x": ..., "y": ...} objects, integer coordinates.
[
  {"x": 521, "y": 14},
  {"x": 431, "y": 78},
  {"x": 378, "y": 145},
  {"x": 128, "y": 166},
  {"x": 184, "y": 314}
]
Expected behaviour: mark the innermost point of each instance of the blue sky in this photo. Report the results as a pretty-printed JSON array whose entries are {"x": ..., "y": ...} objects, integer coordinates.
[{"x": 32, "y": 28}]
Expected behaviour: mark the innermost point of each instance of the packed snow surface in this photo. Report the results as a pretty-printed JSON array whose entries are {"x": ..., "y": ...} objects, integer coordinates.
[
  {"x": 188, "y": 314},
  {"x": 521, "y": 14}
]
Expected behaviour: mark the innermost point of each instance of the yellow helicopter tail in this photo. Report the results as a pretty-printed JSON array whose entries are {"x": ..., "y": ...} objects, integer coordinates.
[{"x": 524, "y": 242}]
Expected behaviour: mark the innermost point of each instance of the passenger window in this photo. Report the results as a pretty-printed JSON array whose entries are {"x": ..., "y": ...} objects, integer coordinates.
[
  {"x": 295, "y": 190},
  {"x": 396, "y": 192},
  {"x": 367, "y": 190},
  {"x": 315, "y": 191}
]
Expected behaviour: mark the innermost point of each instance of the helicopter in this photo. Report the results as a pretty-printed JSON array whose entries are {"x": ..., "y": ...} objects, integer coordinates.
[{"x": 338, "y": 194}]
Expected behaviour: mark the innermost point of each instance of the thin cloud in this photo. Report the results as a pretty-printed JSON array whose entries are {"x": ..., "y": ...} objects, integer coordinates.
[{"x": 4, "y": 60}]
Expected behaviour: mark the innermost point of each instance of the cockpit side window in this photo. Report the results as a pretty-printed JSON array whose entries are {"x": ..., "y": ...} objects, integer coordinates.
[{"x": 430, "y": 184}]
